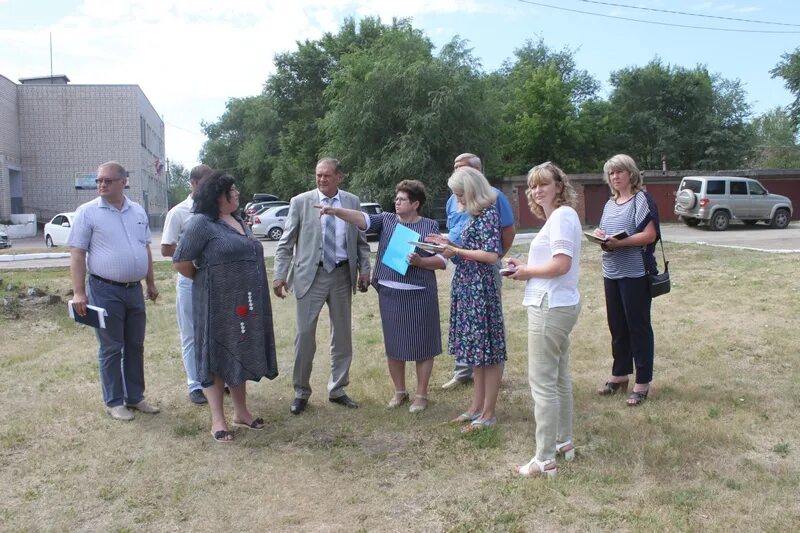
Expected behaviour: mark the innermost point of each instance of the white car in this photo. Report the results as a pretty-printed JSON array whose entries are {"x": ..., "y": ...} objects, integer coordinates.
[
  {"x": 270, "y": 223},
  {"x": 56, "y": 232}
]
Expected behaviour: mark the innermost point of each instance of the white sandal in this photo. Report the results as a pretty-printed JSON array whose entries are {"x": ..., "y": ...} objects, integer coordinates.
[
  {"x": 415, "y": 407},
  {"x": 536, "y": 468},
  {"x": 397, "y": 402},
  {"x": 567, "y": 449}
]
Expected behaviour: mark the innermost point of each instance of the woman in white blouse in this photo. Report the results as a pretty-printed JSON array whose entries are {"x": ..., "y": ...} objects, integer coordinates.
[{"x": 553, "y": 302}]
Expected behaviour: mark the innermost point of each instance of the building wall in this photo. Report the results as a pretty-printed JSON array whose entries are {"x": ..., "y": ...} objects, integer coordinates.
[
  {"x": 9, "y": 142},
  {"x": 70, "y": 129}
]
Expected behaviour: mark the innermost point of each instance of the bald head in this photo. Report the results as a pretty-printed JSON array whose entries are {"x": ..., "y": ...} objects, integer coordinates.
[{"x": 468, "y": 160}]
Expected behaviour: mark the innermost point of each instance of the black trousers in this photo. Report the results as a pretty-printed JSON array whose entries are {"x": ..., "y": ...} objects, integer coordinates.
[{"x": 628, "y": 309}]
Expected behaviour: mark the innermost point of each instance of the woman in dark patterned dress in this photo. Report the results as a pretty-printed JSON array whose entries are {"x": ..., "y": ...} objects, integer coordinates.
[
  {"x": 234, "y": 339},
  {"x": 409, "y": 303},
  {"x": 477, "y": 333}
]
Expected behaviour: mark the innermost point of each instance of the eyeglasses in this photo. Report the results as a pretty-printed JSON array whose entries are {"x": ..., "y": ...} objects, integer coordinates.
[
  {"x": 401, "y": 200},
  {"x": 107, "y": 181}
]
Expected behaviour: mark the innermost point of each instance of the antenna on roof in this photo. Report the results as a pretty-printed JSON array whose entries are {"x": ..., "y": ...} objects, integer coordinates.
[{"x": 51, "y": 58}]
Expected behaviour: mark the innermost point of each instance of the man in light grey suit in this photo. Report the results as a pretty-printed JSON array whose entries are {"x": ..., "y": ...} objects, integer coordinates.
[{"x": 329, "y": 258}]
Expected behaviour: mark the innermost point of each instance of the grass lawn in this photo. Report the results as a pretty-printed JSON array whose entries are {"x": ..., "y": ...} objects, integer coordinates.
[{"x": 716, "y": 447}]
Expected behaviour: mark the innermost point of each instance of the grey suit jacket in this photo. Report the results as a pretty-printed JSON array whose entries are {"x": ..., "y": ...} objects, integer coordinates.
[{"x": 299, "y": 251}]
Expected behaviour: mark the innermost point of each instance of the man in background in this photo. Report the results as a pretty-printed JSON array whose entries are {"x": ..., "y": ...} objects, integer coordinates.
[{"x": 177, "y": 217}]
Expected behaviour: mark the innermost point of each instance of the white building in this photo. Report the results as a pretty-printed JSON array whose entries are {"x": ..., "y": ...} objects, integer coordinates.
[{"x": 53, "y": 135}]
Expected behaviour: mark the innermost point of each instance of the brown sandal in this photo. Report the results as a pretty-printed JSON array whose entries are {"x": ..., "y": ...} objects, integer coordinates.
[{"x": 612, "y": 387}]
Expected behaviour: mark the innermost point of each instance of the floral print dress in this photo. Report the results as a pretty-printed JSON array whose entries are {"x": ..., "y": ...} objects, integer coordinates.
[{"x": 477, "y": 333}]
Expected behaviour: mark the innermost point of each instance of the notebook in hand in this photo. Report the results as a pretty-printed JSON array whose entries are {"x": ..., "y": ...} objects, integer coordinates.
[
  {"x": 428, "y": 246},
  {"x": 94, "y": 317},
  {"x": 595, "y": 239}
]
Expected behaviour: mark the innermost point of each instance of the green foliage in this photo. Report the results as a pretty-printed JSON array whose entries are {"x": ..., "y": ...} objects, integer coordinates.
[
  {"x": 688, "y": 116},
  {"x": 541, "y": 94},
  {"x": 380, "y": 99},
  {"x": 775, "y": 141},
  {"x": 177, "y": 183},
  {"x": 398, "y": 112},
  {"x": 789, "y": 70}
]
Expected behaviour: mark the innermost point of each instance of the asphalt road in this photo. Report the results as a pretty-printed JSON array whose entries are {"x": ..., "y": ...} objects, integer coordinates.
[{"x": 758, "y": 237}]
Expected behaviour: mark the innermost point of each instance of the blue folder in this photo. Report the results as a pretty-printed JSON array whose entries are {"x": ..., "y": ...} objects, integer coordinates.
[{"x": 398, "y": 248}]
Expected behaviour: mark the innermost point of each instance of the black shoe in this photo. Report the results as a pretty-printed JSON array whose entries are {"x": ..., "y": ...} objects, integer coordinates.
[
  {"x": 345, "y": 400},
  {"x": 298, "y": 406},
  {"x": 197, "y": 397}
]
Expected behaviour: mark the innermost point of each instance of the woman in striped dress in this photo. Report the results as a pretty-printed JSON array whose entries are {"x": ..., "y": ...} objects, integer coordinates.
[
  {"x": 625, "y": 277},
  {"x": 409, "y": 303}
]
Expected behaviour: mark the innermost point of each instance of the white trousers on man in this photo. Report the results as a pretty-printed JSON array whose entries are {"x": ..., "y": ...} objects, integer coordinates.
[{"x": 183, "y": 304}]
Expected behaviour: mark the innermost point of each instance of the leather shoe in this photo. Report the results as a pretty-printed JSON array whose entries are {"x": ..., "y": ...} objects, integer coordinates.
[
  {"x": 345, "y": 400},
  {"x": 144, "y": 407},
  {"x": 298, "y": 406},
  {"x": 119, "y": 412},
  {"x": 197, "y": 397}
]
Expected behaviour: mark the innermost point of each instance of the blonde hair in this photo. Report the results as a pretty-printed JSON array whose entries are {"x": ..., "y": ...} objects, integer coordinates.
[
  {"x": 476, "y": 191},
  {"x": 545, "y": 173},
  {"x": 623, "y": 162}
]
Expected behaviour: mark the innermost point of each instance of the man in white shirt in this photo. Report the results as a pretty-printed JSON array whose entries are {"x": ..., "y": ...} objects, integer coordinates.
[{"x": 174, "y": 226}]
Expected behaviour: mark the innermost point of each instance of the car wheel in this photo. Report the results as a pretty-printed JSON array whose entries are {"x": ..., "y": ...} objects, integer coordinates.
[
  {"x": 275, "y": 234},
  {"x": 780, "y": 220},
  {"x": 750, "y": 222},
  {"x": 686, "y": 199},
  {"x": 719, "y": 221},
  {"x": 691, "y": 222},
  {"x": 48, "y": 241}
]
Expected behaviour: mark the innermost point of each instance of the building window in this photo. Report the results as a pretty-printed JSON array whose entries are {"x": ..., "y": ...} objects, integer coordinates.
[{"x": 142, "y": 131}]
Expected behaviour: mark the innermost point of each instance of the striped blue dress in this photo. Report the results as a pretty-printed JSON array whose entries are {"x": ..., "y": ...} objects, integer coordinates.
[{"x": 410, "y": 317}]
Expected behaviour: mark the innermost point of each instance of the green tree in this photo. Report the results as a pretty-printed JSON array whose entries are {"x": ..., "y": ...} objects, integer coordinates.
[
  {"x": 540, "y": 96},
  {"x": 398, "y": 112},
  {"x": 692, "y": 118},
  {"x": 789, "y": 70},
  {"x": 177, "y": 183},
  {"x": 775, "y": 140}
]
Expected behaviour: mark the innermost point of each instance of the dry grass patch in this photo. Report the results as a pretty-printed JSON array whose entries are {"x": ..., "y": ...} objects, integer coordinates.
[{"x": 715, "y": 448}]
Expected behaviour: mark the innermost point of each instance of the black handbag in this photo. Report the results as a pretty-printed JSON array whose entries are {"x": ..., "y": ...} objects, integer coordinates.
[{"x": 659, "y": 283}]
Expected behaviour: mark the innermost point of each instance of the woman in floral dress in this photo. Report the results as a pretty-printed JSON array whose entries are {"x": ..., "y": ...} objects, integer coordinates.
[{"x": 477, "y": 333}]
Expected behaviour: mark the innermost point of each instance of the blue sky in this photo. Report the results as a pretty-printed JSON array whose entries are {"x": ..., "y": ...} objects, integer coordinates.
[{"x": 190, "y": 56}]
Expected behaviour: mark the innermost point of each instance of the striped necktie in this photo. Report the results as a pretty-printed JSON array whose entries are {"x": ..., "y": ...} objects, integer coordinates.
[{"x": 328, "y": 239}]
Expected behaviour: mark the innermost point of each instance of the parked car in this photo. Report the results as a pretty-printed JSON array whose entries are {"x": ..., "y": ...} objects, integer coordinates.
[
  {"x": 371, "y": 208},
  {"x": 57, "y": 230},
  {"x": 716, "y": 200},
  {"x": 259, "y": 208},
  {"x": 270, "y": 223},
  {"x": 264, "y": 197},
  {"x": 5, "y": 242}
]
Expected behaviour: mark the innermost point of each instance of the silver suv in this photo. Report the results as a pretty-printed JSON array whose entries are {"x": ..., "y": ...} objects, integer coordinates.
[{"x": 718, "y": 199}]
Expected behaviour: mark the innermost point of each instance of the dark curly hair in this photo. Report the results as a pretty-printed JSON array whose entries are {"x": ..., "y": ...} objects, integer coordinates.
[
  {"x": 415, "y": 191},
  {"x": 206, "y": 198}
]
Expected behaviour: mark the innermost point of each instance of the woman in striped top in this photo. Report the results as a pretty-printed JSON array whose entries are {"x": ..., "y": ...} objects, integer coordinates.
[
  {"x": 625, "y": 277},
  {"x": 409, "y": 304}
]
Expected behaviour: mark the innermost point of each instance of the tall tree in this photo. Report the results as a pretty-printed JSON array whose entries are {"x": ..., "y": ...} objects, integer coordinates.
[
  {"x": 775, "y": 141},
  {"x": 693, "y": 119},
  {"x": 540, "y": 96},
  {"x": 398, "y": 112},
  {"x": 177, "y": 183},
  {"x": 789, "y": 69}
]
